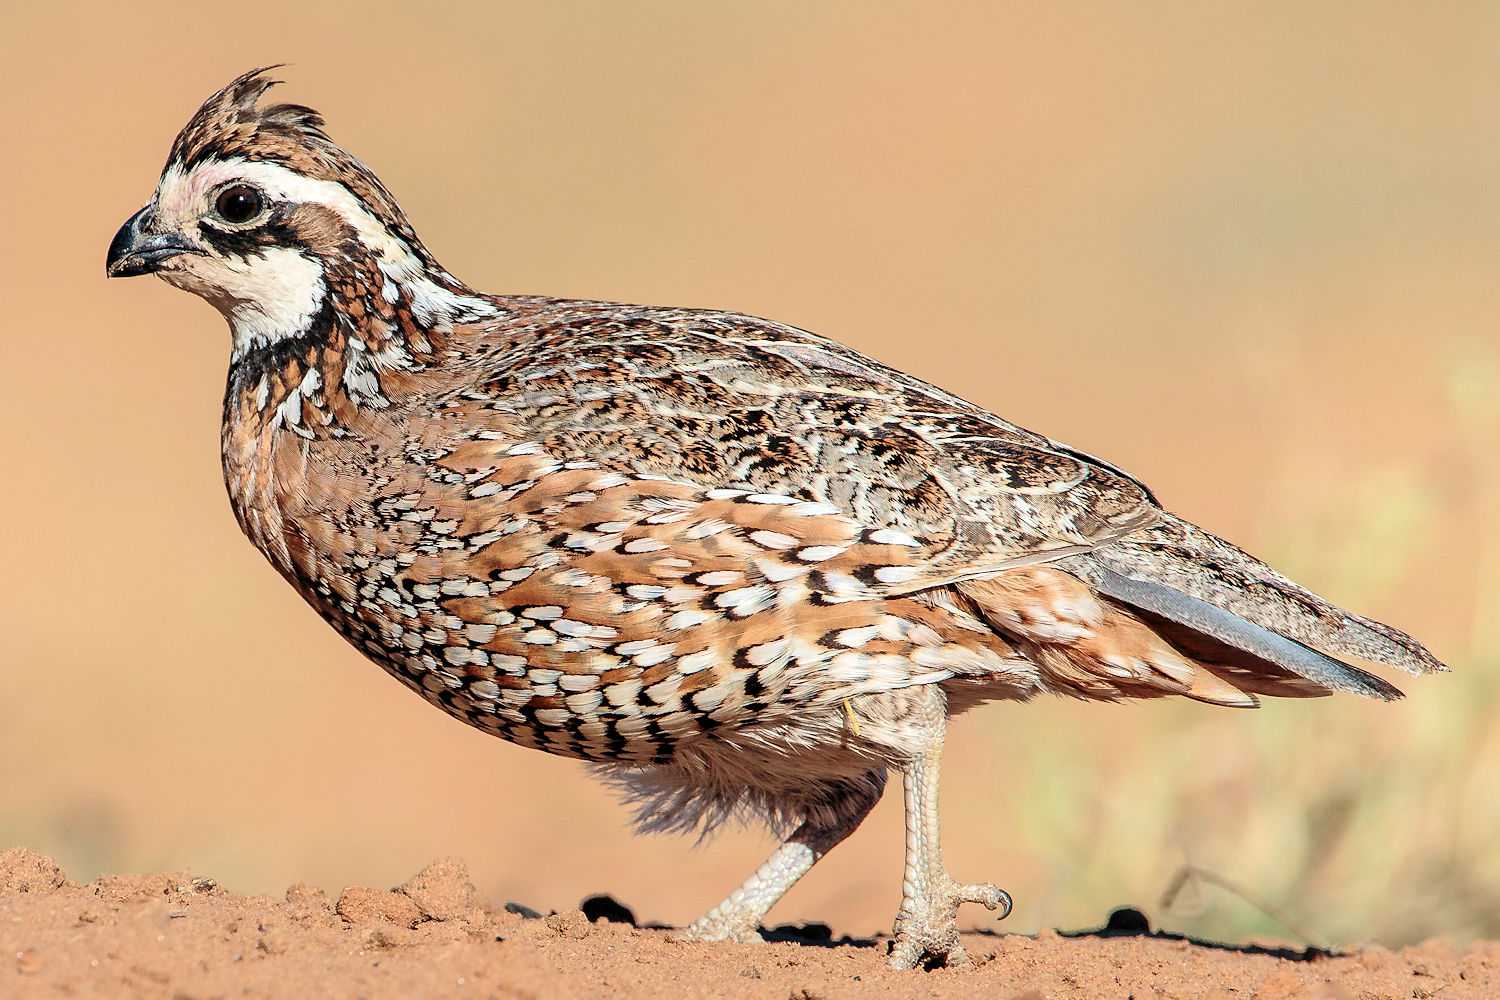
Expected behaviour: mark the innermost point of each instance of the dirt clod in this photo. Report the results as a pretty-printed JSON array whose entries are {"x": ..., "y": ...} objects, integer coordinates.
[
  {"x": 301, "y": 892},
  {"x": 26, "y": 871},
  {"x": 359, "y": 905},
  {"x": 442, "y": 891},
  {"x": 572, "y": 924}
]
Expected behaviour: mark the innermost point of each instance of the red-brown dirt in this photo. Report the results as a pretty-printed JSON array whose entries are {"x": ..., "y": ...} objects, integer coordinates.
[{"x": 181, "y": 936}]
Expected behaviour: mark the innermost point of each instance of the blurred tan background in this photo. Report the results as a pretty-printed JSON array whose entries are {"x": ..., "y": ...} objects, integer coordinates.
[{"x": 1248, "y": 254}]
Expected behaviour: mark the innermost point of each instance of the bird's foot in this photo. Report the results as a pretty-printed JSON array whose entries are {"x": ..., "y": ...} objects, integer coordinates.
[{"x": 927, "y": 927}]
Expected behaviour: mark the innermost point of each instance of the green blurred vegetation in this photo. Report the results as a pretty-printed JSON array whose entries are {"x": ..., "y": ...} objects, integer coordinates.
[{"x": 1334, "y": 827}]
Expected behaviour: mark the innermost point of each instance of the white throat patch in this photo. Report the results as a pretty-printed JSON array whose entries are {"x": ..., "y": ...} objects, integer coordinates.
[{"x": 271, "y": 296}]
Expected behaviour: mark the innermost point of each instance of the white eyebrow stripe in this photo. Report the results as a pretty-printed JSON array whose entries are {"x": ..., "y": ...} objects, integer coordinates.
[
  {"x": 288, "y": 185},
  {"x": 430, "y": 301}
]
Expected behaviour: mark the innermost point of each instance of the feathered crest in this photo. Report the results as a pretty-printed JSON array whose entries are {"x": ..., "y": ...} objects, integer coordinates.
[{"x": 231, "y": 124}]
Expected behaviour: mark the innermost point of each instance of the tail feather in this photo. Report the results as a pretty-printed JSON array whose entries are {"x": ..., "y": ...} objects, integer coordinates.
[
  {"x": 1243, "y": 635},
  {"x": 1245, "y": 671},
  {"x": 1196, "y": 588}
]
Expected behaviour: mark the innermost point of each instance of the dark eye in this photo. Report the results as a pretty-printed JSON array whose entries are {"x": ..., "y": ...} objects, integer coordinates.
[{"x": 237, "y": 204}]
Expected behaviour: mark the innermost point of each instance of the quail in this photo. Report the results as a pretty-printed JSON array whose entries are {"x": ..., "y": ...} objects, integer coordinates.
[{"x": 742, "y": 569}]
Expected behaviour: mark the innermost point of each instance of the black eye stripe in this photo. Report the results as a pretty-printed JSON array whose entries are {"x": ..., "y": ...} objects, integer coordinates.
[{"x": 251, "y": 242}]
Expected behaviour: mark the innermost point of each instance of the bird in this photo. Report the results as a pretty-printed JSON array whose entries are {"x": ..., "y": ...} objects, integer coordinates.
[{"x": 743, "y": 570}]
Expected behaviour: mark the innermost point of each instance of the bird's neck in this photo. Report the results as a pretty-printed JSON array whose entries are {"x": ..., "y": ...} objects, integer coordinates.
[{"x": 312, "y": 369}]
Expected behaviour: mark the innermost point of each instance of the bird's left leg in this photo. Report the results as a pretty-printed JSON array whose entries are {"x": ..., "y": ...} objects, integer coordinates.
[
  {"x": 738, "y": 917},
  {"x": 927, "y": 924}
]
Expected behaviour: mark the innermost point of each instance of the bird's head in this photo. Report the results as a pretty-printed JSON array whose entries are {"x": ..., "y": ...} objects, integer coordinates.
[{"x": 262, "y": 215}]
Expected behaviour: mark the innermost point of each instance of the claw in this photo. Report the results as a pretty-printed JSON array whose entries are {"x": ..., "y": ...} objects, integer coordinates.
[{"x": 988, "y": 895}]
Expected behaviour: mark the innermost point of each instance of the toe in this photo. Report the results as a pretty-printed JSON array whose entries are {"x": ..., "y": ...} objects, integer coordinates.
[
  {"x": 715, "y": 930},
  {"x": 910, "y": 952},
  {"x": 905, "y": 954},
  {"x": 988, "y": 895}
]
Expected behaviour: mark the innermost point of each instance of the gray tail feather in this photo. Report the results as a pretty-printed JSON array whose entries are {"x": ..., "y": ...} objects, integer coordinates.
[
  {"x": 1236, "y": 632},
  {"x": 1178, "y": 572}
]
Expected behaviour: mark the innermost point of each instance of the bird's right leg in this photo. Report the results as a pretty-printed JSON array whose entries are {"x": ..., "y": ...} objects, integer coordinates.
[
  {"x": 738, "y": 917},
  {"x": 927, "y": 923}
]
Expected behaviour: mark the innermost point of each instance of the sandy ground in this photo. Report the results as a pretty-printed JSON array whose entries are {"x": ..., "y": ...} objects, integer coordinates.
[{"x": 182, "y": 936}]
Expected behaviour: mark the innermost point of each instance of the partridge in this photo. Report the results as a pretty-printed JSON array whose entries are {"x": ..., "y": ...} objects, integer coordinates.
[{"x": 742, "y": 569}]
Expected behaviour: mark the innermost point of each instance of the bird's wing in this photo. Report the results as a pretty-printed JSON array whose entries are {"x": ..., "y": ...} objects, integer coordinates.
[{"x": 734, "y": 403}]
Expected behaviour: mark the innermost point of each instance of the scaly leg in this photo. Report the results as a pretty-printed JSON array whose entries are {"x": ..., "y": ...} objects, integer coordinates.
[
  {"x": 927, "y": 923},
  {"x": 738, "y": 917}
]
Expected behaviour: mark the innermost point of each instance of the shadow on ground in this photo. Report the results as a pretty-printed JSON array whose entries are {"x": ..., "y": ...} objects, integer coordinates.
[{"x": 1123, "y": 922}]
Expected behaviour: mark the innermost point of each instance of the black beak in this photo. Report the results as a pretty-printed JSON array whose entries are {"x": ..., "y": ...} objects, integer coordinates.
[{"x": 134, "y": 251}]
